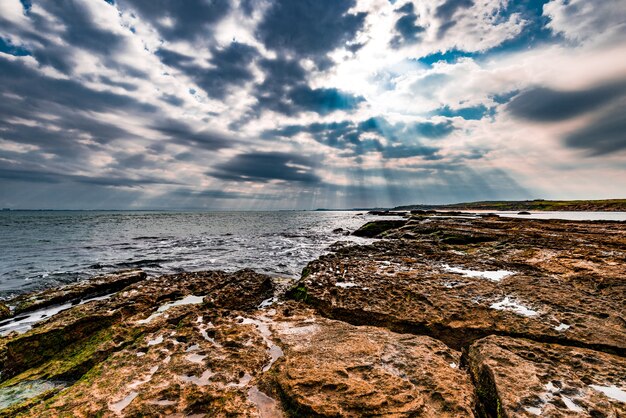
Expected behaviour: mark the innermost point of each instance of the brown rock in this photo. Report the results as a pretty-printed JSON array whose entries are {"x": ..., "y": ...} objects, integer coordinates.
[
  {"x": 102, "y": 350},
  {"x": 5, "y": 312},
  {"x": 331, "y": 368},
  {"x": 521, "y": 378},
  {"x": 97, "y": 286},
  {"x": 566, "y": 283}
]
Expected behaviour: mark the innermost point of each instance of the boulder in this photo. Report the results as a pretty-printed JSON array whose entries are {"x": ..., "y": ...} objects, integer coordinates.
[
  {"x": 521, "y": 378},
  {"x": 333, "y": 369}
]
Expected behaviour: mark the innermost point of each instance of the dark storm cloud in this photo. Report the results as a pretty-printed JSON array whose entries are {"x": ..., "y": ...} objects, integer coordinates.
[
  {"x": 26, "y": 82},
  {"x": 353, "y": 136},
  {"x": 217, "y": 194},
  {"x": 446, "y": 11},
  {"x": 79, "y": 28},
  {"x": 28, "y": 95},
  {"x": 546, "y": 105},
  {"x": 183, "y": 134},
  {"x": 229, "y": 67},
  {"x": 266, "y": 166},
  {"x": 406, "y": 27},
  {"x": 188, "y": 19},
  {"x": 172, "y": 99},
  {"x": 340, "y": 133},
  {"x": 605, "y": 135},
  {"x": 468, "y": 113},
  {"x": 285, "y": 90},
  {"x": 407, "y": 151},
  {"x": 33, "y": 176},
  {"x": 309, "y": 28}
]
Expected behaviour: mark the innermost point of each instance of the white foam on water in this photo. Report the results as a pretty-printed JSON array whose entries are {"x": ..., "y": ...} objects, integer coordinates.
[
  {"x": 495, "y": 275},
  {"x": 612, "y": 392},
  {"x": 509, "y": 305},
  {"x": 187, "y": 300}
]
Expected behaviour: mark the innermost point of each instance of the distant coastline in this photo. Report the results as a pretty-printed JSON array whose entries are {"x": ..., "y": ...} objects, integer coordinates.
[{"x": 605, "y": 205}]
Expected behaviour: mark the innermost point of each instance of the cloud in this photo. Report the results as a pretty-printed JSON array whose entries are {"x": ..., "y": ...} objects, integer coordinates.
[
  {"x": 446, "y": 11},
  {"x": 547, "y": 105},
  {"x": 229, "y": 67},
  {"x": 266, "y": 166},
  {"x": 604, "y": 135},
  {"x": 181, "y": 133},
  {"x": 32, "y": 176},
  {"x": 399, "y": 140},
  {"x": 180, "y": 20},
  {"x": 406, "y": 27},
  {"x": 309, "y": 29},
  {"x": 587, "y": 22},
  {"x": 285, "y": 90}
]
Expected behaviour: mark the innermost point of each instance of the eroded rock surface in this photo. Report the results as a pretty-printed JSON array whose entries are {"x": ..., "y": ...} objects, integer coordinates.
[
  {"x": 99, "y": 350},
  {"x": 536, "y": 308},
  {"x": 462, "y": 279},
  {"x": 517, "y": 378},
  {"x": 332, "y": 369},
  {"x": 97, "y": 286}
]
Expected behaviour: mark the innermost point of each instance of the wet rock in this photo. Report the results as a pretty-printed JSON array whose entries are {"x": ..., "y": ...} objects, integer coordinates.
[
  {"x": 341, "y": 231},
  {"x": 5, "y": 312},
  {"x": 547, "y": 281},
  {"x": 92, "y": 344},
  {"x": 196, "y": 362},
  {"x": 97, "y": 286},
  {"x": 333, "y": 369},
  {"x": 523, "y": 213},
  {"x": 517, "y": 378},
  {"x": 373, "y": 229}
]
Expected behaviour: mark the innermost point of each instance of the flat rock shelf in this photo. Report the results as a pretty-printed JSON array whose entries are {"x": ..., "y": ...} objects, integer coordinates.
[{"x": 439, "y": 315}]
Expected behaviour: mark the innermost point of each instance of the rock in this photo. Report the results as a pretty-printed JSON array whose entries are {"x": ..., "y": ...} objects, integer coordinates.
[
  {"x": 334, "y": 369},
  {"x": 98, "y": 339},
  {"x": 517, "y": 377},
  {"x": 373, "y": 229},
  {"x": 97, "y": 286},
  {"x": 5, "y": 312},
  {"x": 341, "y": 231},
  {"x": 547, "y": 281},
  {"x": 523, "y": 213}
]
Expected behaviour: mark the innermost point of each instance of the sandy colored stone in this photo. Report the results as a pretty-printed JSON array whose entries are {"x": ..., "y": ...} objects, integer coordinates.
[
  {"x": 333, "y": 369},
  {"x": 568, "y": 283},
  {"x": 96, "y": 286},
  {"x": 521, "y": 378}
]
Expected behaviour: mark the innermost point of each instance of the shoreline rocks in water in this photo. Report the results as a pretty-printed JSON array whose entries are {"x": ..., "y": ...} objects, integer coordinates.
[{"x": 446, "y": 316}]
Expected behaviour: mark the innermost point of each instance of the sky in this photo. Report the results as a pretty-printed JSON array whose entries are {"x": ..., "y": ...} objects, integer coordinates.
[{"x": 304, "y": 104}]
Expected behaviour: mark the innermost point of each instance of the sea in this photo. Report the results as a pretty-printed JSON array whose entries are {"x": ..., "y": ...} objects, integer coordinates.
[{"x": 44, "y": 249}]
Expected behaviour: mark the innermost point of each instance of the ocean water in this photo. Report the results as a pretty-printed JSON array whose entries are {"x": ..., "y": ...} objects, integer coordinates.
[{"x": 42, "y": 249}]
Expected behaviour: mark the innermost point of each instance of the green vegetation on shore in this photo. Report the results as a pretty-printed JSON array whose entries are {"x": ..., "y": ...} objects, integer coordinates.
[{"x": 607, "y": 205}]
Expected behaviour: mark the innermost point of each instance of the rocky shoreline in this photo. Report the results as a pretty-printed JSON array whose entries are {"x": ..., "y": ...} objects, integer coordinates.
[{"x": 440, "y": 316}]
